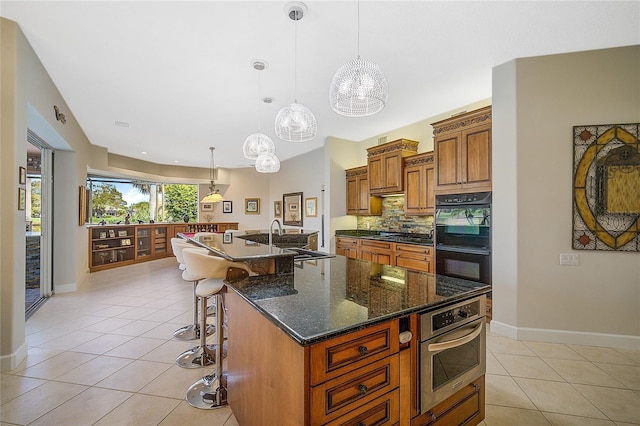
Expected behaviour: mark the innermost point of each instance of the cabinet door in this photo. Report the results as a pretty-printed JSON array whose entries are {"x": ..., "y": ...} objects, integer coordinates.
[
  {"x": 392, "y": 172},
  {"x": 160, "y": 241},
  {"x": 447, "y": 161},
  {"x": 363, "y": 194},
  {"x": 353, "y": 198},
  {"x": 430, "y": 201},
  {"x": 414, "y": 191},
  {"x": 376, "y": 173},
  {"x": 476, "y": 157}
]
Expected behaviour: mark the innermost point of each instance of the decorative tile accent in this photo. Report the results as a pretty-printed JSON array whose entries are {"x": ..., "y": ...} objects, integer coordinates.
[{"x": 394, "y": 220}]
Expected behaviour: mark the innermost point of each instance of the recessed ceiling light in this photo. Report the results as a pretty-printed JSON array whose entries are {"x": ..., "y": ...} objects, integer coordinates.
[
  {"x": 144, "y": 153},
  {"x": 268, "y": 99},
  {"x": 176, "y": 161},
  {"x": 122, "y": 124}
]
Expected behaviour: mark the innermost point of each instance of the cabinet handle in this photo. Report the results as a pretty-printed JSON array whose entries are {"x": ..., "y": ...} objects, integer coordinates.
[
  {"x": 363, "y": 350},
  {"x": 361, "y": 424},
  {"x": 363, "y": 389},
  {"x": 432, "y": 415}
]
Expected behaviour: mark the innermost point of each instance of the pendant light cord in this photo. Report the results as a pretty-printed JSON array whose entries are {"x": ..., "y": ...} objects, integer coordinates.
[
  {"x": 358, "y": 29},
  {"x": 295, "y": 59}
]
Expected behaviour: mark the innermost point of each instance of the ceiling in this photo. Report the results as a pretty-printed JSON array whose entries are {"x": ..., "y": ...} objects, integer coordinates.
[{"x": 179, "y": 73}]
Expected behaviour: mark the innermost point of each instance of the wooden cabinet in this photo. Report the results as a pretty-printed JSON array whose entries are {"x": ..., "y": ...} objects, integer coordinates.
[
  {"x": 419, "y": 196},
  {"x": 413, "y": 256},
  {"x": 376, "y": 251},
  {"x": 119, "y": 245},
  {"x": 348, "y": 247},
  {"x": 348, "y": 380},
  {"x": 410, "y": 256},
  {"x": 359, "y": 200},
  {"x": 462, "y": 148},
  {"x": 204, "y": 227},
  {"x": 465, "y": 407},
  {"x": 384, "y": 164}
]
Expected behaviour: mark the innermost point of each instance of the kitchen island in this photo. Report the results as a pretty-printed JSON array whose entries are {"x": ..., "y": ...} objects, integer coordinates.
[{"x": 321, "y": 345}]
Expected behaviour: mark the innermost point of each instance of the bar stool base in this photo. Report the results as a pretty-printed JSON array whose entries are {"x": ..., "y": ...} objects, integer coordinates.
[
  {"x": 198, "y": 357},
  {"x": 208, "y": 393},
  {"x": 192, "y": 332}
]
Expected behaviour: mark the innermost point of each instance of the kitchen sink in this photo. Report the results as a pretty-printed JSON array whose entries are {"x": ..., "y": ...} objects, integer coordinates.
[{"x": 305, "y": 254}]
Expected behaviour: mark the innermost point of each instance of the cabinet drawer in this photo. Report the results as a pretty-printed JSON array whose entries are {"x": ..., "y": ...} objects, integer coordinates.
[
  {"x": 343, "y": 394},
  {"x": 414, "y": 249},
  {"x": 346, "y": 241},
  {"x": 381, "y": 411},
  {"x": 335, "y": 357},
  {"x": 376, "y": 244},
  {"x": 415, "y": 262}
]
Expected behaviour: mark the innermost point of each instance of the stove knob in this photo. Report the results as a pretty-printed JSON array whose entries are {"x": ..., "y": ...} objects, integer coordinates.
[{"x": 462, "y": 314}]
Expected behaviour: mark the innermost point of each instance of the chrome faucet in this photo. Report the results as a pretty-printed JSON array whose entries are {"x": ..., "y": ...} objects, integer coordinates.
[{"x": 271, "y": 231}]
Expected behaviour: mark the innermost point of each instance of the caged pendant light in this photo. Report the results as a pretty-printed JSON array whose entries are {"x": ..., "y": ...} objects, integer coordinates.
[
  {"x": 267, "y": 163},
  {"x": 295, "y": 122},
  {"x": 359, "y": 87},
  {"x": 214, "y": 195},
  {"x": 258, "y": 143}
]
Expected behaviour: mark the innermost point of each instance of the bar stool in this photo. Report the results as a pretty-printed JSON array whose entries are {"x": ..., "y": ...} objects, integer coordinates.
[
  {"x": 210, "y": 272},
  {"x": 191, "y": 331},
  {"x": 210, "y": 391}
]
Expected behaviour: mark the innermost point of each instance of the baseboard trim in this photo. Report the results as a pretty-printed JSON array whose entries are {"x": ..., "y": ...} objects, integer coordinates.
[
  {"x": 619, "y": 341},
  {"x": 65, "y": 288},
  {"x": 11, "y": 361}
]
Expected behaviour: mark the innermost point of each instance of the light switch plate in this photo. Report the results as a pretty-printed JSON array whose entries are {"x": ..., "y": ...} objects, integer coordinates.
[{"x": 569, "y": 259}]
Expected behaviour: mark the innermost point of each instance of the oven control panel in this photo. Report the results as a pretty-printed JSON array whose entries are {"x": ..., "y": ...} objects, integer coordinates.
[
  {"x": 443, "y": 320},
  {"x": 455, "y": 315}
]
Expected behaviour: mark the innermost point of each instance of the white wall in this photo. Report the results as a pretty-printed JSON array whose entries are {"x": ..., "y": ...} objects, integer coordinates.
[{"x": 536, "y": 102}]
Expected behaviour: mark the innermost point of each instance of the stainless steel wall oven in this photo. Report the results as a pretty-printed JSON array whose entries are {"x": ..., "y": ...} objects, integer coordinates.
[
  {"x": 452, "y": 350},
  {"x": 463, "y": 236}
]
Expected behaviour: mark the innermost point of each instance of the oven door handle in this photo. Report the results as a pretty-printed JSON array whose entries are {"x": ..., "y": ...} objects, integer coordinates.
[{"x": 441, "y": 346}]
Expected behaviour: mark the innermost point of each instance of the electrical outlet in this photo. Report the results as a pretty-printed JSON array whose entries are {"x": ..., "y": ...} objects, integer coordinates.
[{"x": 569, "y": 259}]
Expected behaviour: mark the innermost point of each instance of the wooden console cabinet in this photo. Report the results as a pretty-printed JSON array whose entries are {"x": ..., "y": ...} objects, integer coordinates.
[
  {"x": 462, "y": 147},
  {"x": 111, "y": 246}
]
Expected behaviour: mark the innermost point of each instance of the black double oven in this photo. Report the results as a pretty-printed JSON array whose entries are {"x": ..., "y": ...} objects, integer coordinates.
[{"x": 463, "y": 236}]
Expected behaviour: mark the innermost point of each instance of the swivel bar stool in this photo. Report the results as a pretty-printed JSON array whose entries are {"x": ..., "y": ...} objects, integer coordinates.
[
  {"x": 210, "y": 391},
  {"x": 210, "y": 271},
  {"x": 191, "y": 331}
]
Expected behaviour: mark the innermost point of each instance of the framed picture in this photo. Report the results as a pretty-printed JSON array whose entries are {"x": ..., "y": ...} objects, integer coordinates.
[
  {"x": 22, "y": 199},
  {"x": 22, "y": 175},
  {"x": 227, "y": 238},
  {"x": 82, "y": 205},
  {"x": 252, "y": 206},
  {"x": 122, "y": 233},
  {"x": 103, "y": 234},
  {"x": 277, "y": 208},
  {"x": 311, "y": 207},
  {"x": 293, "y": 207},
  {"x": 125, "y": 242},
  {"x": 206, "y": 207},
  {"x": 112, "y": 233},
  {"x": 227, "y": 207}
]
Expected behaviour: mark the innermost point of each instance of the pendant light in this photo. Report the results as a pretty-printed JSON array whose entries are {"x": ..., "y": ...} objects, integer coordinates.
[
  {"x": 258, "y": 143},
  {"x": 214, "y": 195},
  {"x": 295, "y": 122},
  {"x": 267, "y": 163},
  {"x": 359, "y": 87}
]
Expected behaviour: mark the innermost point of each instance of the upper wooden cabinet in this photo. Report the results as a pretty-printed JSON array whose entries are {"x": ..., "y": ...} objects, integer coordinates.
[
  {"x": 419, "y": 197},
  {"x": 462, "y": 146},
  {"x": 385, "y": 165},
  {"x": 359, "y": 200}
]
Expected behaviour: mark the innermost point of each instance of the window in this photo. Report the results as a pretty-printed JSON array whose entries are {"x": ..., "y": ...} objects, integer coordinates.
[{"x": 115, "y": 200}]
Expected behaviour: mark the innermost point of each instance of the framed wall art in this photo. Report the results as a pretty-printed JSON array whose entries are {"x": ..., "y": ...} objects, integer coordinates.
[
  {"x": 22, "y": 199},
  {"x": 277, "y": 208},
  {"x": 606, "y": 187},
  {"x": 227, "y": 207},
  {"x": 206, "y": 207},
  {"x": 252, "y": 206},
  {"x": 22, "y": 175},
  {"x": 311, "y": 207}
]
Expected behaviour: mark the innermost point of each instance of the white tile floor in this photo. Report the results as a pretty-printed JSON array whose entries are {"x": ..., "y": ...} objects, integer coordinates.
[{"x": 104, "y": 356}]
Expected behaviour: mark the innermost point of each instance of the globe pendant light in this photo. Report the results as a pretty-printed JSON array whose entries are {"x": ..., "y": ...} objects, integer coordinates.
[
  {"x": 267, "y": 163},
  {"x": 258, "y": 143},
  {"x": 214, "y": 195},
  {"x": 295, "y": 122},
  {"x": 359, "y": 87}
]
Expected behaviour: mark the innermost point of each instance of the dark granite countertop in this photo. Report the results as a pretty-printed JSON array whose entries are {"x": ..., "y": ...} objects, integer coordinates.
[
  {"x": 328, "y": 297},
  {"x": 395, "y": 237},
  {"x": 236, "y": 249}
]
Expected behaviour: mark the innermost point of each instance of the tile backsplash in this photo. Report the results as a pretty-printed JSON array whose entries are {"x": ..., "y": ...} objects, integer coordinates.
[{"x": 394, "y": 220}]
